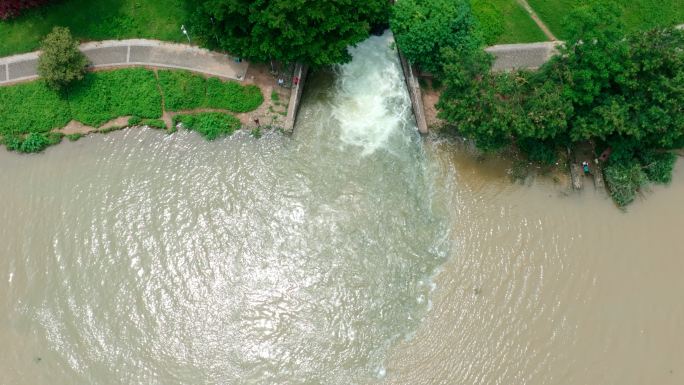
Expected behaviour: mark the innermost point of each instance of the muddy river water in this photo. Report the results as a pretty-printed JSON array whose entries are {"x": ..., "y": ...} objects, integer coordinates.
[{"x": 354, "y": 251}]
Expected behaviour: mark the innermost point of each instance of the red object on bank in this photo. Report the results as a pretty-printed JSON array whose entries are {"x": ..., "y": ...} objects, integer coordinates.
[
  {"x": 296, "y": 80},
  {"x": 606, "y": 154}
]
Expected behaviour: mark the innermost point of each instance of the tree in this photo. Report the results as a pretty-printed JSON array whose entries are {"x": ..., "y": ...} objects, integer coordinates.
[
  {"x": 496, "y": 108},
  {"x": 424, "y": 27},
  {"x": 61, "y": 61},
  {"x": 13, "y": 8},
  {"x": 314, "y": 32}
]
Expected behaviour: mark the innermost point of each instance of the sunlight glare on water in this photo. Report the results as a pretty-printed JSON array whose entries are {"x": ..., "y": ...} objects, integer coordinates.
[{"x": 138, "y": 257}]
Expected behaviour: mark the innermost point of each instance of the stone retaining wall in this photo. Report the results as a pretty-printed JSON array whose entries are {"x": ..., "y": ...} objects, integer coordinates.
[
  {"x": 411, "y": 77},
  {"x": 295, "y": 97}
]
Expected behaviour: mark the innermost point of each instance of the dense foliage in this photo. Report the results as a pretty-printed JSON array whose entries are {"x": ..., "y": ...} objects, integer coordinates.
[
  {"x": 211, "y": 125},
  {"x": 182, "y": 90},
  {"x": 622, "y": 90},
  {"x": 232, "y": 96},
  {"x": 423, "y": 28},
  {"x": 32, "y": 107},
  {"x": 33, "y": 142},
  {"x": 13, "y": 8},
  {"x": 314, "y": 32},
  {"x": 185, "y": 91},
  {"x": 60, "y": 61},
  {"x": 105, "y": 95}
]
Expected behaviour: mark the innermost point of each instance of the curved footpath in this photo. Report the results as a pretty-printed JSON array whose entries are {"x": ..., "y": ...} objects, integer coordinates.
[{"x": 133, "y": 52}]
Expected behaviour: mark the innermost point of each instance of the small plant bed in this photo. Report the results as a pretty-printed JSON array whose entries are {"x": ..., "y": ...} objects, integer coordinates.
[
  {"x": 211, "y": 125},
  {"x": 186, "y": 91},
  {"x": 182, "y": 90},
  {"x": 638, "y": 14},
  {"x": 105, "y": 95},
  {"x": 32, "y": 107},
  {"x": 625, "y": 177}
]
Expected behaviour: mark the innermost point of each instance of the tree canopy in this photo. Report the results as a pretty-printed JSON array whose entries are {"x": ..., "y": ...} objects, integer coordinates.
[
  {"x": 424, "y": 27},
  {"x": 314, "y": 32},
  {"x": 61, "y": 61},
  {"x": 623, "y": 91}
]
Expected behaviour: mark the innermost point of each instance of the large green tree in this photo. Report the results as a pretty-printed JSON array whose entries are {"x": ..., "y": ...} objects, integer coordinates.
[
  {"x": 315, "y": 32},
  {"x": 424, "y": 27},
  {"x": 61, "y": 61}
]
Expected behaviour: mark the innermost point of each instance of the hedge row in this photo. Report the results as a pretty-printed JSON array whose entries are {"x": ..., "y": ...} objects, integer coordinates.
[{"x": 185, "y": 91}]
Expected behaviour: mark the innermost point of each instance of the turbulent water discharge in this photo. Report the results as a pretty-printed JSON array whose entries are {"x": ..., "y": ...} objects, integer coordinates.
[
  {"x": 352, "y": 252},
  {"x": 138, "y": 257}
]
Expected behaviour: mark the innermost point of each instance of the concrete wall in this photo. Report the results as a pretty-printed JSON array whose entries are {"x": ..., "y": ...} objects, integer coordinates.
[
  {"x": 295, "y": 97},
  {"x": 411, "y": 76}
]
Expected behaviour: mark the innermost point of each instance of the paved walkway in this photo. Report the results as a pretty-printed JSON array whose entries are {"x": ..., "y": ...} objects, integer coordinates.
[
  {"x": 530, "y": 56},
  {"x": 133, "y": 52}
]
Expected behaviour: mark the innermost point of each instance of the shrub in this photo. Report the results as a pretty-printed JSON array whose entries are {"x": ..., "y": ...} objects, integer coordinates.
[
  {"x": 75, "y": 137},
  {"x": 155, "y": 123},
  {"x": 624, "y": 179},
  {"x": 209, "y": 124},
  {"x": 105, "y": 95},
  {"x": 436, "y": 83},
  {"x": 33, "y": 142},
  {"x": 657, "y": 165},
  {"x": 274, "y": 96},
  {"x": 61, "y": 61},
  {"x": 12, "y": 142},
  {"x": 543, "y": 151},
  {"x": 256, "y": 133},
  {"x": 232, "y": 96},
  {"x": 182, "y": 90},
  {"x": 134, "y": 121}
]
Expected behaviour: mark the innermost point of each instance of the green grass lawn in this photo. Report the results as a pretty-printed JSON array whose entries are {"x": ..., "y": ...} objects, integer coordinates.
[
  {"x": 97, "y": 20},
  {"x": 518, "y": 26},
  {"x": 639, "y": 14}
]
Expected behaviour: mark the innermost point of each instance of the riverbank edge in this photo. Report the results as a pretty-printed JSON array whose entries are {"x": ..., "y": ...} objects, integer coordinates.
[{"x": 257, "y": 74}]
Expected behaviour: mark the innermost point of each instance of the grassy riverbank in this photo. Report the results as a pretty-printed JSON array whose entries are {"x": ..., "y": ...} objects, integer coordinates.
[
  {"x": 97, "y": 20},
  {"x": 639, "y": 14},
  {"x": 31, "y": 111}
]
